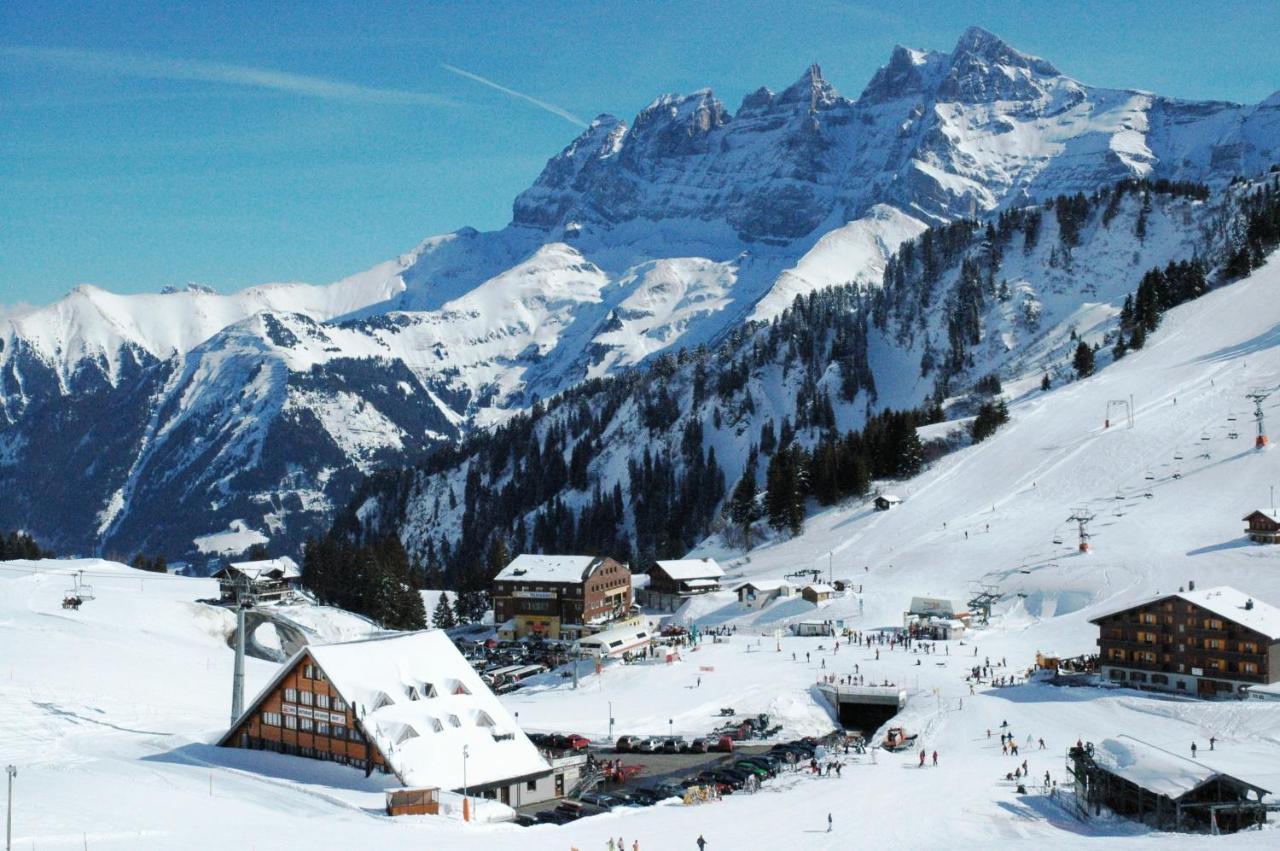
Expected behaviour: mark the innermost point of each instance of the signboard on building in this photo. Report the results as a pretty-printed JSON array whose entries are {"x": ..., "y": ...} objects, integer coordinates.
[{"x": 535, "y": 595}]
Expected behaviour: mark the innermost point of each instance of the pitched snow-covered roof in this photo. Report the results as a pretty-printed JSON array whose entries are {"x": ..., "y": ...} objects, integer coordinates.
[
  {"x": 540, "y": 568},
  {"x": 1153, "y": 768},
  {"x": 1224, "y": 601},
  {"x": 888, "y": 497},
  {"x": 691, "y": 568},
  {"x": 284, "y": 567},
  {"x": 820, "y": 588},
  {"x": 420, "y": 702},
  {"x": 765, "y": 585}
]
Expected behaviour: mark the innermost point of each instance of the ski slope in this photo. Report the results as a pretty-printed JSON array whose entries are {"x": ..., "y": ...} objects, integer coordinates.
[{"x": 109, "y": 712}]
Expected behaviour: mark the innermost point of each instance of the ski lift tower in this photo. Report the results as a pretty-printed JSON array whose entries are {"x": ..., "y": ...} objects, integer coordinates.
[
  {"x": 983, "y": 599},
  {"x": 1081, "y": 517},
  {"x": 1126, "y": 410},
  {"x": 1258, "y": 395},
  {"x": 244, "y": 600}
]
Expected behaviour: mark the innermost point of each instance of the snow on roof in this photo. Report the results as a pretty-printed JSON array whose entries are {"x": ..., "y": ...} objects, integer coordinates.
[
  {"x": 422, "y": 739},
  {"x": 287, "y": 568},
  {"x": 1153, "y": 768},
  {"x": 702, "y": 583},
  {"x": 765, "y": 585},
  {"x": 540, "y": 568},
  {"x": 1224, "y": 601},
  {"x": 1266, "y": 512},
  {"x": 692, "y": 568},
  {"x": 820, "y": 588},
  {"x": 888, "y": 497}
]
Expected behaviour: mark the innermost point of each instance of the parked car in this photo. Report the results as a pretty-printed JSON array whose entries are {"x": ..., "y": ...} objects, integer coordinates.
[
  {"x": 724, "y": 744},
  {"x": 647, "y": 745},
  {"x": 599, "y": 799},
  {"x": 694, "y": 746},
  {"x": 576, "y": 742},
  {"x": 538, "y": 739},
  {"x": 669, "y": 790},
  {"x": 628, "y": 798},
  {"x": 571, "y": 810},
  {"x": 753, "y": 767},
  {"x": 525, "y": 820},
  {"x": 670, "y": 746},
  {"x": 646, "y": 796},
  {"x": 627, "y": 744},
  {"x": 552, "y": 817}
]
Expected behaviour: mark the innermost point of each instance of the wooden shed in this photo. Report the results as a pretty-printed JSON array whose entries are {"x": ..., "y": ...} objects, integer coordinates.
[{"x": 415, "y": 801}]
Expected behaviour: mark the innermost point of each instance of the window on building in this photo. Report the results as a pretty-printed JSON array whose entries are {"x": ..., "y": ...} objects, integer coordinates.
[
  {"x": 306, "y": 698},
  {"x": 271, "y": 719},
  {"x": 322, "y": 728},
  {"x": 306, "y": 724},
  {"x": 1159, "y": 679},
  {"x": 531, "y": 785},
  {"x": 1212, "y": 623},
  {"x": 309, "y": 672},
  {"x": 291, "y": 695},
  {"x": 1248, "y": 647},
  {"x": 291, "y": 722},
  {"x": 338, "y": 731},
  {"x": 354, "y": 735},
  {"x": 1248, "y": 667},
  {"x": 1182, "y": 685},
  {"x": 339, "y": 705}
]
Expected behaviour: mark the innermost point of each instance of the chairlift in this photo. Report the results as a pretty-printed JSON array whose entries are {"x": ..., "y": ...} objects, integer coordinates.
[
  {"x": 1025, "y": 570},
  {"x": 1057, "y": 539},
  {"x": 1177, "y": 456},
  {"x": 1231, "y": 417},
  {"x": 1177, "y": 474},
  {"x": 1119, "y": 495},
  {"x": 1150, "y": 476},
  {"x": 1204, "y": 435},
  {"x": 1233, "y": 434},
  {"x": 80, "y": 592},
  {"x": 1149, "y": 495}
]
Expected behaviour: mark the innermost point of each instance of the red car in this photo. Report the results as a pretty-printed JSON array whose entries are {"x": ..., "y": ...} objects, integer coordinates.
[{"x": 578, "y": 743}]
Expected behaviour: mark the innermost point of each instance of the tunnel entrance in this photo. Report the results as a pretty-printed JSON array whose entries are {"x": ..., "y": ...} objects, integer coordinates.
[{"x": 863, "y": 717}]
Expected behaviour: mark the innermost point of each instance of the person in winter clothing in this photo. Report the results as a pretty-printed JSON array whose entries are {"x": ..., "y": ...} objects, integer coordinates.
[
  {"x": 828, "y": 822},
  {"x": 1193, "y": 750},
  {"x": 922, "y": 758},
  {"x": 935, "y": 758},
  {"x": 702, "y": 843}
]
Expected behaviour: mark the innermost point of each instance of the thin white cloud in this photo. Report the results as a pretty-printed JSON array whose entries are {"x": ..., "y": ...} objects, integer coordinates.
[
  {"x": 13, "y": 311},
  {"x": 155, "y": 67},
  {"x": 541, "y": 104}
]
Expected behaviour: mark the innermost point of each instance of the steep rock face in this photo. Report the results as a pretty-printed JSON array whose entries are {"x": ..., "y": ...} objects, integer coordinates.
[{"x": 161, "y": 416}]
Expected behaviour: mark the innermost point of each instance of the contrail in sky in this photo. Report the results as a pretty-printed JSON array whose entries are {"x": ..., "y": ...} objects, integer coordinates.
[
  {"x": 541, "y": 104},
  {"x": 163, "y": 68}
]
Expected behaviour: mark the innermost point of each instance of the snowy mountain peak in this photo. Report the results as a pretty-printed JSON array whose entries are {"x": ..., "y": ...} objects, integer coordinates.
[
  {"x": 811, "y": 90},
  {"x": 985, "y": 69}
]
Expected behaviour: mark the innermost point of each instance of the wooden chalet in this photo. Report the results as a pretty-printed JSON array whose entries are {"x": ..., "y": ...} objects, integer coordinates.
[
  {"x": 1164, "y": 790},
  {"x": 265, "y": 581},
  {"x": 406, "y": 705},
  {"x": 1263, "y": 528},
  {"x": 1213, "y": 642},
  {"x": 674, "y": 581}
]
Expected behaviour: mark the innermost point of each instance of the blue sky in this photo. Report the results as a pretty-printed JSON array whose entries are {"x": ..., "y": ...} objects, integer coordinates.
[{"x": 145, "y": 144}]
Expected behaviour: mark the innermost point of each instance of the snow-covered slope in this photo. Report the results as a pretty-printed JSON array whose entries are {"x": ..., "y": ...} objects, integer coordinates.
[
  {"x": 638, "y": 239},
  {"x": 109, "y": 711}
]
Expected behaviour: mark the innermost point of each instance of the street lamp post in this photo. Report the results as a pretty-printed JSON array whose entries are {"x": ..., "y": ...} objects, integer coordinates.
[
  {"x": 671, "y": 728},
  {"x": 611, "y": 720},
  {"x": 8, "y": 820}
]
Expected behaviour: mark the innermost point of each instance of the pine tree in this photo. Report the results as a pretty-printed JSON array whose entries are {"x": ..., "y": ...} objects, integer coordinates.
[
  {"x": 1083, "y": 360},
  {"x": 1045, "y": 384},
  {"x": 743, "y": 508},
  {"x": 442, "y": 616}
]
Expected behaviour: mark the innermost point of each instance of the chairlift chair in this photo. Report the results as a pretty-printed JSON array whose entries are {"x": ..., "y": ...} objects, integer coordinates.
[
  {"x": 1057, "y": 539},
  {"x": 1150, "y": 476}
]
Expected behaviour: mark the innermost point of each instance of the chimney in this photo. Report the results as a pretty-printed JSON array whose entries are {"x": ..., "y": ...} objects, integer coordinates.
[
  {"x": 1191, "y": 586},
  {"x": 1248, "y": 604}
]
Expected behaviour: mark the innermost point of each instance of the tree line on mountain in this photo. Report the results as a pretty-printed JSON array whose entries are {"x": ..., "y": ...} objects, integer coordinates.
[
  {"x": 371, "y": 578},
  {"x": 1257, "y": 230},
  {"x": 19, "y": 545}
]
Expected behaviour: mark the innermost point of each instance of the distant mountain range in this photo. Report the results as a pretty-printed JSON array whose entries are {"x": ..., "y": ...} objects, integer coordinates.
[{"x": 132, "y": 423}]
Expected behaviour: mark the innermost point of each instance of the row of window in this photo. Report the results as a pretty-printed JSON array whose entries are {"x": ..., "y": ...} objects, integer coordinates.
[
  {"x": 310, "y": 725},
  {"x": 313, "y": 672},
  {"x": 320, "y": 701},
  {"x": 1144, "y": 637},
  {"x": 1117, "y": 654}
]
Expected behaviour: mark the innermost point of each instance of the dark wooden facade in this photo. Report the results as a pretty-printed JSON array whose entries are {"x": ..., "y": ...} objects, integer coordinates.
[
  {"x": 562, "y": 609},
  {"x": 1262, "y": 528},
  {"x": 304, "y": 715},
  {"x": 1221, "y": 803},
  {"x": 1172, "y": 644}
]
